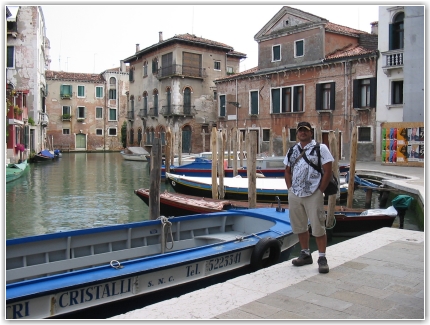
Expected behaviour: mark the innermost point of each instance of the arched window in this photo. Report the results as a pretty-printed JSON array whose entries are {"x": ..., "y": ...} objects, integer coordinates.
[
  {"x": 155, "y": 93},
  {"x": 162, "y": 136},
  {"x": 145, "y": 69},
  {"x": 187, "y": 101},
  {"x": 139, "y": 136},
  {"x": 169, "y": 101},
  {"x": 397, "y": 32},
  {"x": 112, "y": 88},
  {"x": 145, "y": 103},
  {"x": 155, "y": 65}
]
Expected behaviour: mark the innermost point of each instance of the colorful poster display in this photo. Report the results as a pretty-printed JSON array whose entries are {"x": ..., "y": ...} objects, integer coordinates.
[{"x": 402, "y": 144}]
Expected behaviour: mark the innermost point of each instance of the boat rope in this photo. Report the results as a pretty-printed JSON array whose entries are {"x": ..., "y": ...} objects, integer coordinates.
[
  {"x": 167, "y": 229},
  {"x": 256, "y": 236},
  {"x": 116, "y": 264},
  {"x": 334, "y": 224},
  {"x": 239, "y": 238}
]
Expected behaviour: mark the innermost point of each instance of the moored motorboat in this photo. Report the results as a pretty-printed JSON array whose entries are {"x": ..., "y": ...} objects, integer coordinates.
[
  {"x": 236, "y": 188},
  {"x": 63, "y": 272}
]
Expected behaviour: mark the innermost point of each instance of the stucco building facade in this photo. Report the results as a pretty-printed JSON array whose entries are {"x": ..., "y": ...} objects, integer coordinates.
[
  {"x": 27, "y": 57},
  {"x": 172, "y": 86}
]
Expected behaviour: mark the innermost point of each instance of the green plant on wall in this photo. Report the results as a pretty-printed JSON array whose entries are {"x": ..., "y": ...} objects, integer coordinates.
[
  {"x": 31, "y": 121},
  {"x": 124, "y": 134}
]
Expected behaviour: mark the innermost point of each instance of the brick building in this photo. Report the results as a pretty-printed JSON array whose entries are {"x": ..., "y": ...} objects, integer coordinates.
[{"x": 308, "y": 70}]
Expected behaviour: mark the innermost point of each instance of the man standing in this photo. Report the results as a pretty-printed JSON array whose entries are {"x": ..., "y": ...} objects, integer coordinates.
[{"x": 305, "y": 194}]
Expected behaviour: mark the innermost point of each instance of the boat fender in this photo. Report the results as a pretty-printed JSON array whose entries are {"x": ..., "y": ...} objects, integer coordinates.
[{"x": 264, "y": 244}]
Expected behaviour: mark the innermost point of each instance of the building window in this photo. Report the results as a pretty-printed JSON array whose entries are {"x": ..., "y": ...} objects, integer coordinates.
[
  {"x": 217, "y": 65},
  {"x": 99, "y": 92},
  {"x": 66, "y": 91},
  {"x": 145, "y": 101},
  {"x": 81, "y": 112},
  {"x": 66, "y": 111},
  {"x": 10, "y": 57},
  {"x": 215, "y": 94},
  {"x": 293, "y": 135},
  {"x": 364, "y": 134},
  {"x": 396, "y": 32},
  {"x": 187, "y": 101},
  {"x": 222, "y": 105},
  {"x": 81, "y": 91},
  {"x": 298, "y": 96},
  {"x": 99, "y": 131},
  {"x": 282, "y": 101},
  {"x": 155, "y": 94},
  {"x": 397, "y": 92},
  {"x": 155, "y": 65},
  {"x": 131, "y": 75},
  {"x": 266, "y": 135},
  {"x": 99, "y": 112},
  {"x": 276, "y": 53},
  {"x": 230, "y": 70},
  {"x": 325, "y": 96},
  {"x": 364, "y": 93},
  {"x": 66, "y": 131},
  {"x": 112, "y": 114},
  {"x": 112, "y": 93},
  {"x": 112, "y": 131},
  {"x": 253, "y": 98},
  {"x": 299, "y": 48},
  {"x": 145, "y": 69}
]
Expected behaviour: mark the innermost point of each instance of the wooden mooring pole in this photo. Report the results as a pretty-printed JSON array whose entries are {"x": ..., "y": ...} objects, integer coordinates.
[
  {"x": 214, "y": 164},
  {"x": 155, "y": 179},
  {"x": 251, "y": 169},
  {"x": 352, "y": 162}
]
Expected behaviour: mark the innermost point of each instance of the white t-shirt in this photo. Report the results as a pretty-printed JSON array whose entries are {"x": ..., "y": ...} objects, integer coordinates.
[{"x": 306, "y": 179}]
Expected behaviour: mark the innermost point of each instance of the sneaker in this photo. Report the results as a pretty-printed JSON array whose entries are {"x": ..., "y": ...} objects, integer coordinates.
[
  {"x": 322, "y": 265},
  {"x": 303, "y": 259}
]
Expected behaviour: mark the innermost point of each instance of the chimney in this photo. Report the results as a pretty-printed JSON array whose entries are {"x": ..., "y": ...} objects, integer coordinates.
[
  {"x": 122, "y": 66},
  {"x": 160, "y": 36},
  {"x": 374, "y": 28},
  {"x": 137, "y": 48}
]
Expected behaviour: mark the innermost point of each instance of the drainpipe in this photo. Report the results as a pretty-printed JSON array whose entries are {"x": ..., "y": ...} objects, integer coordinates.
[{"x": 237, "y": 108}]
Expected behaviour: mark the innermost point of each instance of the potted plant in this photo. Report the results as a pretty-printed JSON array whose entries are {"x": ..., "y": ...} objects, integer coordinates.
[
  {"x": 66, "y": 117},
  {"x": 17, "y": 111}
]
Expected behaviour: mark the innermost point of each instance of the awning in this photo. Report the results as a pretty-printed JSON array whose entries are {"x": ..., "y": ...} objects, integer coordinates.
[{"x": 14, "y": 11}]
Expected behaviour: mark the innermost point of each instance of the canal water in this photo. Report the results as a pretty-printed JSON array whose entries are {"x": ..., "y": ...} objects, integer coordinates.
[{"x": 82, "y": 190}]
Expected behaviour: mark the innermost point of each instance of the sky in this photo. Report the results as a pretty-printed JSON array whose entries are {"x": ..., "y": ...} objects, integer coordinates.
[{"x": 93, "y": 38}]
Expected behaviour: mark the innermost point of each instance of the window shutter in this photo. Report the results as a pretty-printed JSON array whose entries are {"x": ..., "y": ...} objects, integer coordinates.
[
  {"x": 373, "y": 92},
  {"x": 356, "y": 93},
  {"x": 222, "y": 105},
  {"x": 276, "y": 100},
  {"x": 332, "y": 95},
  {"x": 318, "y": 97}
]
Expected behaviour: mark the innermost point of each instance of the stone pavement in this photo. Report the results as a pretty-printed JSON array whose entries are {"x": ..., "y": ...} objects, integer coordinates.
[{"x": 379, "y": 275}]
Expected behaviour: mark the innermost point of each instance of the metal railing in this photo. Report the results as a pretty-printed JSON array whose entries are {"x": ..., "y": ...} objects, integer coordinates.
[
  {"x": 130, "y": 115},
  {"x": 178, "y": 110},
  {"x": 181, "y": 70}
]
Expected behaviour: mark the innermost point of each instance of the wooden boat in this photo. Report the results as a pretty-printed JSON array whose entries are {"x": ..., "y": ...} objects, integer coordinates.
[
  {"x": 236, "y": 188},
  {"x": 54, "y": 274},
  {"x": 134, "y": 153},
  {"x": 14, "y": 171},
  {"x": 44, "y": 155},
  {"x": 348, "y": 221}
]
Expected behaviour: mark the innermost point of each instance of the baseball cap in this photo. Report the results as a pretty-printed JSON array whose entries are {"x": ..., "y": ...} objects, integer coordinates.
[{"x": 305, "y": 125}]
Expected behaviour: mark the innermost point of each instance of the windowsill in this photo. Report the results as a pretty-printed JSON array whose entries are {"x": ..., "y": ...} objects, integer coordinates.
[
  {"x": 329, "y": 111},
  {"x": 394, "y": 106}
]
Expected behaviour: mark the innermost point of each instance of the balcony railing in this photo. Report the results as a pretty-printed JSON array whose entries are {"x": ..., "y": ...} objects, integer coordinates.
[
  {"x": 65, "y": 96},
  {"x": 178, "y": 110},
  {"x": 143, "y": 113},
  {"x": 181, "y": 71},
  {"x": 153, "y": 112},
  {"x": 130, "y": 115},
  {"x": 393, "y": 60}
]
